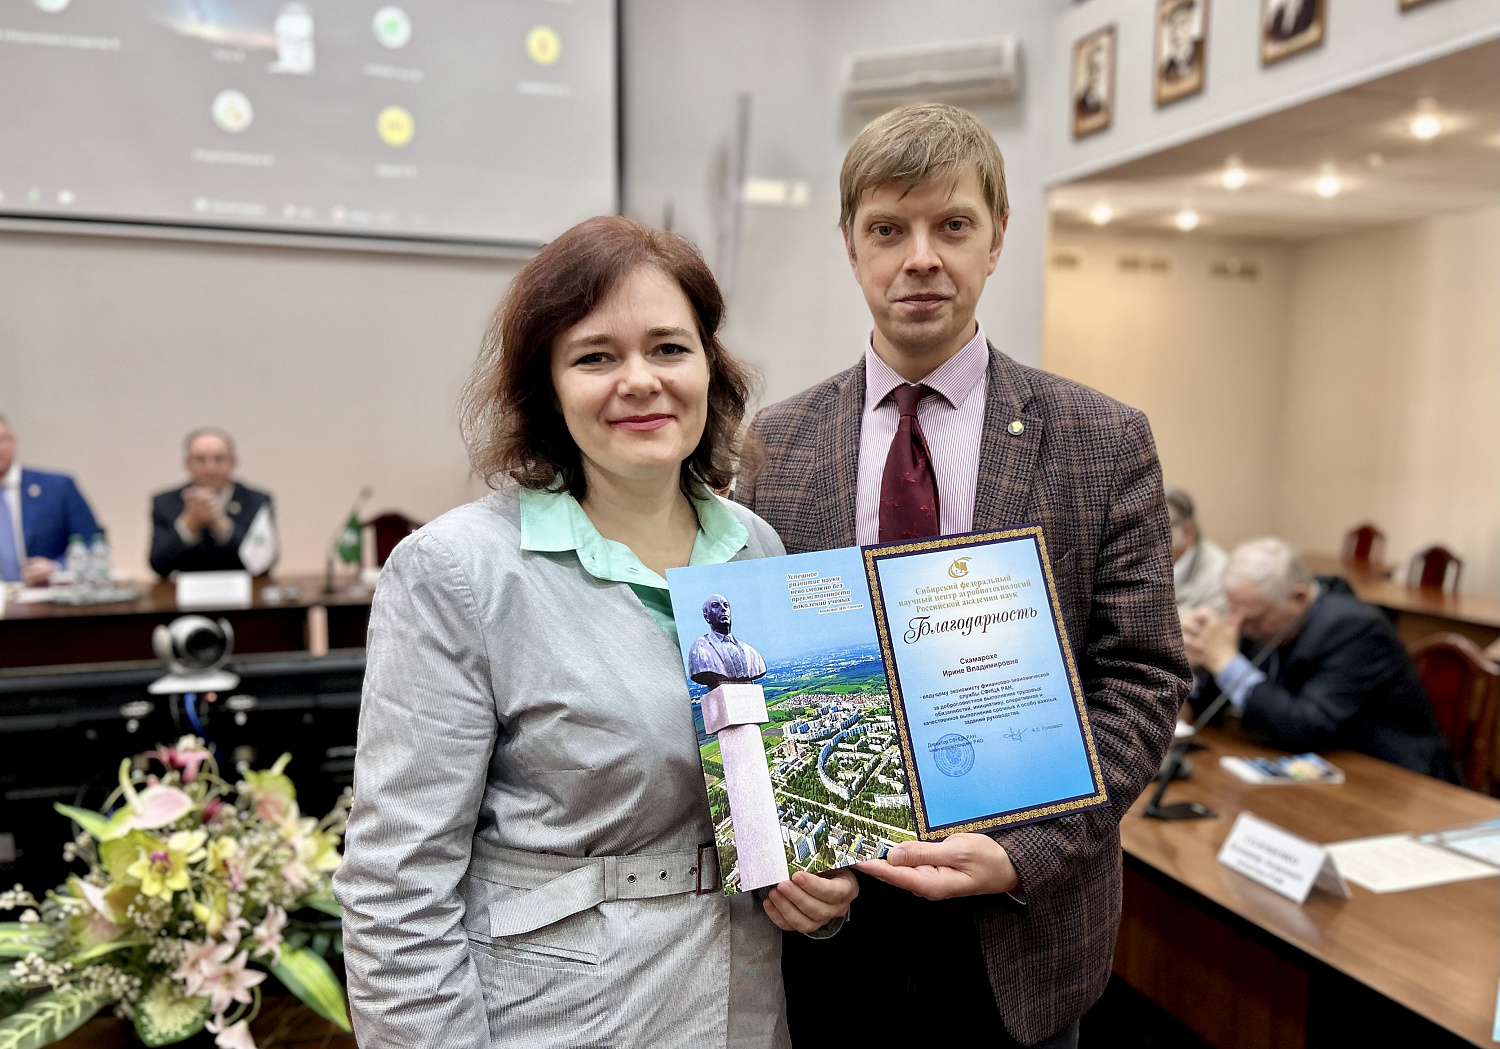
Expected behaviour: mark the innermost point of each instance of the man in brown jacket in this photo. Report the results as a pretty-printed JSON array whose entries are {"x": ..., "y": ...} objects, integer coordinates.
[{"x": 937, "y": 432}]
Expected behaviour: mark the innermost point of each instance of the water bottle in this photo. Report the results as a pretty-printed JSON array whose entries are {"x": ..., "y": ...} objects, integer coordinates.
[
  {"x": 78, "y": 563},
  {"x": 99, "y": 581}
]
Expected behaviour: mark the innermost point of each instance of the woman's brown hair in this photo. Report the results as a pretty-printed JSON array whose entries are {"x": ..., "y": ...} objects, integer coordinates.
[{"x": 508, "y": 412}]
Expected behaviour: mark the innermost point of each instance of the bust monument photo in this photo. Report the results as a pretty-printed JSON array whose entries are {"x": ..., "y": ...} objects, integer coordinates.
[{"x": 718, "y": 656}]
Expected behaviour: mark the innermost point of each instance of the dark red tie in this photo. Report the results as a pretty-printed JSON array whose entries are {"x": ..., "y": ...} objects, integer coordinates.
[{"x": 908, "y": 488}]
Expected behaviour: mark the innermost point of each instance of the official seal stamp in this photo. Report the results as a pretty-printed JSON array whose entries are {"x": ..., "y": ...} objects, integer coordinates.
[{"x": 953, "y": 755}]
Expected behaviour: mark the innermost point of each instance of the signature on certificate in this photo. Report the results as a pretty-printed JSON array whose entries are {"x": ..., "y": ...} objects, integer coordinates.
[{"x": 1016, "y": 734}]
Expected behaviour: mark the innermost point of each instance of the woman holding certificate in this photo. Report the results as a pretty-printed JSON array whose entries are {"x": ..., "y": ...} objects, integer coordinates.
[{"x": 529, "y": 859}]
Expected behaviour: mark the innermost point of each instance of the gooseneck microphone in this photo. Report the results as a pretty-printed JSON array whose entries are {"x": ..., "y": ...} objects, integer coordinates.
[{"x": 1191, "y": 810}]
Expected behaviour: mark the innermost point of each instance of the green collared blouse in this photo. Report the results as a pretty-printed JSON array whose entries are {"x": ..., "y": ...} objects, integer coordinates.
[{"x": 553, "y": 522}]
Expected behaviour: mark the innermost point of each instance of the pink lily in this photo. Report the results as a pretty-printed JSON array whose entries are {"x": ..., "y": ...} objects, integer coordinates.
[
  {"x": 235, "y": 1036},
  {"x": 268, "y": 933},
  {"x": 199, "y": 959},
  {"x": 234, "y": 928},
  {"x": 212, "y": 807},
  {"x": 230, "y": 982}
]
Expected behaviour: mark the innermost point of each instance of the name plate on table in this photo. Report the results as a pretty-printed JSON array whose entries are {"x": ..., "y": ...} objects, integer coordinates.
[
  {"x": 987, "y": 701},
  {"x": 213, "y": 590},
  {"x": 1279, "y": 860},
  {"x": 869, "y": 740}
]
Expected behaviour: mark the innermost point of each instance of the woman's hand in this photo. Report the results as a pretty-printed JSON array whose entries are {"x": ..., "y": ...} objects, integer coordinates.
[{"x": 810, "y": 901}]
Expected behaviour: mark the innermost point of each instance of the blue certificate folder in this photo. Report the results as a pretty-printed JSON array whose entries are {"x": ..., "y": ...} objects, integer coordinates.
[
  {"x": 873, "y": 740},
  {"x": 989, "y": 709}
]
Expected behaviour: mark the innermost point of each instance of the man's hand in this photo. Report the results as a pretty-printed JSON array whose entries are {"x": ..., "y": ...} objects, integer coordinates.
[
  {"x": 959, "y": 865},
  {"x": 808, "y": 902},
  {"x": 201, "y": 509},
  {"x": 1211, "y": 642},
  {"x": 38, "y": 571}
]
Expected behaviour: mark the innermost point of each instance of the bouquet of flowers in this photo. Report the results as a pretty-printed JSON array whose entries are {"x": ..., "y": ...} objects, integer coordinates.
[{"x": 192, "y": 884}]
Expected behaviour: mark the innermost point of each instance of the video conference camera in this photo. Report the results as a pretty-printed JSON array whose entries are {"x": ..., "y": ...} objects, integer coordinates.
[{"x": 195, "y": 649}]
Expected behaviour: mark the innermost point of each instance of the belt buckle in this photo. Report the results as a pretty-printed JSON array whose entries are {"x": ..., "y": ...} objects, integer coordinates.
[{"x": 713, "y": 851}]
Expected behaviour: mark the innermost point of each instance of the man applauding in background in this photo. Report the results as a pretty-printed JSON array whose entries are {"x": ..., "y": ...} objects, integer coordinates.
[{"x": 204, "y": 527}]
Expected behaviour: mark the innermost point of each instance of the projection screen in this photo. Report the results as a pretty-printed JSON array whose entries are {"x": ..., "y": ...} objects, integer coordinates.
[{"x": 467, "y": 122}]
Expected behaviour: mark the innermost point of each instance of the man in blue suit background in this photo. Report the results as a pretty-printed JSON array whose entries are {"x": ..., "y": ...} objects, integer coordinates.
[{"x": 38, "y": 513}]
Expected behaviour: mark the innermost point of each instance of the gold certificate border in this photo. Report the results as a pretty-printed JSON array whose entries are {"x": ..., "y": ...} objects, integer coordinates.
[{"x": 925, "y": 831}]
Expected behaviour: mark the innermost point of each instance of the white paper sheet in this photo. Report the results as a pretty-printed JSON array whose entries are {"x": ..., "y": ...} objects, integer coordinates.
[{"x": 1397, "y": 862}]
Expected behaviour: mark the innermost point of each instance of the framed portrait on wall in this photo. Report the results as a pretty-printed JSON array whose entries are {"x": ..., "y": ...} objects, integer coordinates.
[
  {"x": 1181, "y": 40},
  {"x": 1288, "y": 27},
  {"x": 1094, "y": 82}
]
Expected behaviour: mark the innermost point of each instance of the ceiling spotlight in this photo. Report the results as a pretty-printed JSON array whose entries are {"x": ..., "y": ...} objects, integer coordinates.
[
  {"x": 1426, "y": 124},
  {"x": 1328, "y": 184},
  {"x": 1186, "y": 220},
  {"x": 1101, "y": 214},
  {"x": 1234, "y": 175}
]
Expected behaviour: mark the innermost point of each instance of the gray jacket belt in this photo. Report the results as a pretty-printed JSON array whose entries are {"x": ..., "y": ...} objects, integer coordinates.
[{"x": 559, "y": 886}]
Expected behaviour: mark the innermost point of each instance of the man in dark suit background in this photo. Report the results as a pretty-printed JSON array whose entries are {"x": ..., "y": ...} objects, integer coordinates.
[
  {"x": 935, "y": 431},
  {"x": 39, "y": 513},
  {"x": 204, "y": 526},
  {"x": 1339, "y": 678}
]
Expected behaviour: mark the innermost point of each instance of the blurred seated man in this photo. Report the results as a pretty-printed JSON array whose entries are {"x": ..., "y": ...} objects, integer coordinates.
[
  {"x": 1197, "y": 563},
  {"x": 205, "y": 526},
  {"x": 1336, "y": 675},
  {"x": 38, "y": 514}
]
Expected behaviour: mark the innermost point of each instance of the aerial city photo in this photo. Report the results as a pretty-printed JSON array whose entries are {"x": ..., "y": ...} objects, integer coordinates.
[{"x": 835, "y": 762}]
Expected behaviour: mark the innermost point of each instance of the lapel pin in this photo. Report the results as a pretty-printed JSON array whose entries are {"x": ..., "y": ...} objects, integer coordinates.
[
  {"x": 234, "y": 507},
  {"x": 1017, "y": 427},
  {"x": 34, "y": 491}
]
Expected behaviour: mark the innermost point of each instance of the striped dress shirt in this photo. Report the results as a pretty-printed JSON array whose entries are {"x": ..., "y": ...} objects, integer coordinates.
[{"x": 952, "y": 422}]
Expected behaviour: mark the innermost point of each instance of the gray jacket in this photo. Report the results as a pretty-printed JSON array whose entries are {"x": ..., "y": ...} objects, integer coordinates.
[{"x": 529, "y": 800}]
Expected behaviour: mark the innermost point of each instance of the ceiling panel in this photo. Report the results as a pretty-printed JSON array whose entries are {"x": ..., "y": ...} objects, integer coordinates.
[{"x": 1360, "y": 134}]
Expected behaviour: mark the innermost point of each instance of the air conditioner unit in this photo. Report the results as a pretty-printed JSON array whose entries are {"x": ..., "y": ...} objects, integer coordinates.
[{"x": 968, "y": 70}]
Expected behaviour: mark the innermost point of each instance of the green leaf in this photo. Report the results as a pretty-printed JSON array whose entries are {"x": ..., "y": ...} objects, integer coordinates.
[
  {"x": 309, "y": 978},
  {"x": 326, "y": 903},
  {"x": 99, "y": 950},
  {"x": 165, "y": 1015},
  {"x": 103, "y": 828},
  {"x": 11, "y": 996},
  {"x": 92, "y": 822},
  {"x": 49, "y": 1018},
  {"x": 17, "y": 940}
]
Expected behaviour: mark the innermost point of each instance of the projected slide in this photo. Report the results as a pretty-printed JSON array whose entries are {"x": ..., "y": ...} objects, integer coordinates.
[{"x": 463, "y": 120}]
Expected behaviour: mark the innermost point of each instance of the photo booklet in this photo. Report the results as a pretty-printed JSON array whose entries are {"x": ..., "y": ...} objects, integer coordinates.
[{"x": 848, "y": 700}]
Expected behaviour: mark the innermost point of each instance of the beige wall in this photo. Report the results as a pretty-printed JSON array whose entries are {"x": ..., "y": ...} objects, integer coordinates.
[
  {"x": 333, "y": 370},
  {"x": 1357, "y": 378},
  {"x": 1203, "y": 356},
  {"x": 1393, "y": 406}
]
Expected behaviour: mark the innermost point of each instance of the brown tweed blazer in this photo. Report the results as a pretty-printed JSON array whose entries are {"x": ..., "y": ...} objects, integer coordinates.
[{"x": 1085, "y": 468}]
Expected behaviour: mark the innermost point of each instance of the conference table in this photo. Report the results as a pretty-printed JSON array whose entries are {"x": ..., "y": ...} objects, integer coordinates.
[
  {"x": 1417, "y": 611},
  {"x": 285, "y": 614},
  {"x": 1245, "y": 967}
]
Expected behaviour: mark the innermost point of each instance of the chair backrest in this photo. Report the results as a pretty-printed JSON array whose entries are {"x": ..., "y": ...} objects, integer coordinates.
[
  {"x": 390, "y": 528},
  {"x": 1464, "y": 687},
  {"x": 1364, "y": 545},
  {"x": 1435, "y": 567}
]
